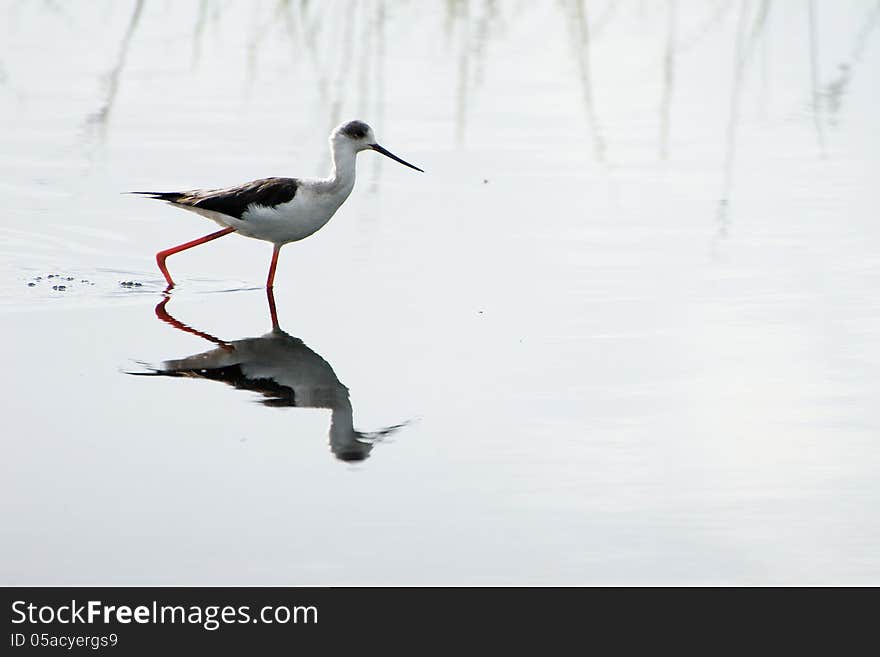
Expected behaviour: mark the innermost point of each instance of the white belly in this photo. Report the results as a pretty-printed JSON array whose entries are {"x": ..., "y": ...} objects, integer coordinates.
[{"x": 289, "y": 222}]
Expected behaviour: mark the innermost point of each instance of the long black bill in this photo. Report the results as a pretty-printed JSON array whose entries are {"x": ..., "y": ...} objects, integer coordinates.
[{"x": 388, "y": 153}]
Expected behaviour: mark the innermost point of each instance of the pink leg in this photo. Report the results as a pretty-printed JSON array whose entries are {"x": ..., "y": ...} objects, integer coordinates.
[
  {"x": 271, "y": 280},
  {"x": 160, "y": 257}
]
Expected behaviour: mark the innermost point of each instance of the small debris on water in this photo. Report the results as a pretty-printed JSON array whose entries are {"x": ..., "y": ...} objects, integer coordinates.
[
  {"x": 57, "y": 279},
  {"x": 130, "y": 284}
]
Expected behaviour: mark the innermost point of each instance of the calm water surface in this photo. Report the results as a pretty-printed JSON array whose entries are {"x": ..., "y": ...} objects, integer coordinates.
[{"x": 625, "y": 329}]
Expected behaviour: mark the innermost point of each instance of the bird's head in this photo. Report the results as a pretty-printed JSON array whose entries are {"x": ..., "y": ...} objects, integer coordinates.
[{"x": 358, "y": 136}]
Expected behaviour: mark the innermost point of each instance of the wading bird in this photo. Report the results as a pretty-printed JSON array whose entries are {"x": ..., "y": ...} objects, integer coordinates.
[{"x": 278, "y": 210}]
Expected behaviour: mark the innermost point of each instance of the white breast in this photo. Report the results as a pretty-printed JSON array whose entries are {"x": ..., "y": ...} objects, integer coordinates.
[{"x": 309, "y": 211}]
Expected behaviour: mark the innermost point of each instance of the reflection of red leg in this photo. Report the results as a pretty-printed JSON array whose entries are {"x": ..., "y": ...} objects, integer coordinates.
[
  {"x": 272, "y": 312},
  {"x": 271, "y": 280},
  {"x": 163, "y": 314},
  {"x": 160, "y": 257}
]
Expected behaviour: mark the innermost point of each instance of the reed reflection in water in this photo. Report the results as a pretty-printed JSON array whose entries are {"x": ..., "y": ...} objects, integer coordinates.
[{"x": 338, "y": 53}]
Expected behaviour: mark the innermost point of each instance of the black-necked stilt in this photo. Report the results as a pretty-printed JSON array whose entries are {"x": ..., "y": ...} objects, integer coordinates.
[
  {"x": 278, "y": 210},
  {"x": 282, "y": 369}
]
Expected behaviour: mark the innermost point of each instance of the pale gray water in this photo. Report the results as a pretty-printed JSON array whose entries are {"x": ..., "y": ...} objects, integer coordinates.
[{"x": 630, "y": 312}]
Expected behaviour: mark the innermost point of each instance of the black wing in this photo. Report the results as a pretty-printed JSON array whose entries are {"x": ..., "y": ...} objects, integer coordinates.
[
  {"x": 276, "y": 394},
  {"x": 234, "y": 201}
]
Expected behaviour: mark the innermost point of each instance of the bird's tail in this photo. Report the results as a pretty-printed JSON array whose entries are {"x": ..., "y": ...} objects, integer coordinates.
[{"x": 162, "y": 196}]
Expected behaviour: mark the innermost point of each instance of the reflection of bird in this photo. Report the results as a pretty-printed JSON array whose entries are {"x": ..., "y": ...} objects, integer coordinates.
[
  {"x": 281, "y": 368},
  {"x": 278, "y": 210}
]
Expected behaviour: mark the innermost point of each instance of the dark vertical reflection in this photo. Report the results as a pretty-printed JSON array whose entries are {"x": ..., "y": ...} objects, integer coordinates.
[
  {"x": 100, "y": 118},
  {"x": 742, "y": 52},
  {"x": 199, "y": 31},
  {"x": 716, "y": 18},
  {"x": 279, "y": 367},
  {"x": 764, "y": 93},
  {"x": 259, "y": 37},
  {"x": 732, "y": 120},
  {"x": 333, "y": 42},
  {"x": 459, "y": 9},
  {"x": 469, "y": 27},
  {"x": 816, "y": 104},
  {"x": 604, "y": 18},
  {"x": 365, "y": 56},
  {"x": 668, "y": 77},
  {"x": 343, "y": 47},
  {"x": 345, "y": 65},
  {"x": 482, "y": 34},
  {"x": 836, "y": 89},
  {"x": 305, "y": 31},
  {"x": 378, "y": 85},
  {"x": 581, "y": 32}
]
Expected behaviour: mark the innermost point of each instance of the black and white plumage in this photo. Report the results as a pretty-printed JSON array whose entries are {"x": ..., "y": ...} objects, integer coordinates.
[
  {"x": 278, "y": 210},
  {"x": 233, "y": 201}
]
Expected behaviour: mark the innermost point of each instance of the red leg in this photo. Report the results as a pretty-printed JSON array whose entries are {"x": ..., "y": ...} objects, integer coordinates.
[
  {"x": 163, "y": 314},
  {"x": 160, "y": 257},
  {"x": 271, "y": 280},
  {"x": 273, "y": 314}
]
